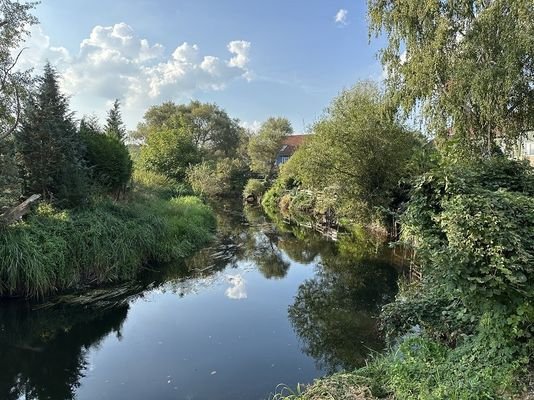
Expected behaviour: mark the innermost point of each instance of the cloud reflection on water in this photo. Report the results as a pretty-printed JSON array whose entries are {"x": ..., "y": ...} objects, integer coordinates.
[{"x": 237, "y": 291}]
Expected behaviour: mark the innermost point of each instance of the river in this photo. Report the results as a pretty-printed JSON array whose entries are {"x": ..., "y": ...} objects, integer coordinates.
[{"x": 265, "y": 305}]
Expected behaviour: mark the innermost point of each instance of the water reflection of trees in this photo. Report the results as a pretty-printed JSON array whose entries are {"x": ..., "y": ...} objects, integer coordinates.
[
  {"x": 335, "y": 312},
  {"x": 250, "y": 237},
  {"x": 43, "y": 353}
]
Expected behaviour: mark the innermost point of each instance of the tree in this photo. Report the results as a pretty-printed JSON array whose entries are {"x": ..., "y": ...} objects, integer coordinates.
[
  {"x": 15, "y": 19},
  {"x": 106, "y": 157},
  {"x": 49, "y": 145},
  {"x": 467, "y": 65},
  {"x": 211, "y": 129},
  {"x": 264, "y": 147},
  {"x": 114, "y": 125},
  {"x": 169, "y": 152},
  {"x": 358, "y": 153}
]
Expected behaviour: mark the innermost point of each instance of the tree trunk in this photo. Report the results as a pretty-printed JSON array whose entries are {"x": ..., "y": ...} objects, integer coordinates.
[{"x": 19, "y": 211}]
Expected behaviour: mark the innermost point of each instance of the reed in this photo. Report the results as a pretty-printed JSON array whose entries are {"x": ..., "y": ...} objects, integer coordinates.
[{"x": 55, "y": 250}]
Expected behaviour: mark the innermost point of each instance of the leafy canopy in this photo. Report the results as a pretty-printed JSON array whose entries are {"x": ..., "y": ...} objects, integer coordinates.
[
  {"x": 358, "y": 151},
  {"x": 210, "y": 128},
  {"x": 264, "y": 147},
  {"x": 466, "y": 65}
]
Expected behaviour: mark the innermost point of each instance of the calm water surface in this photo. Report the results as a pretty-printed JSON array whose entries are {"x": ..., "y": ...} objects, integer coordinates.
[{"x": 265, "y": 305}]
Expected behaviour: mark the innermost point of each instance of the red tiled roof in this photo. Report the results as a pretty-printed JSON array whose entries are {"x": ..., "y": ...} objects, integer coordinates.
[
  {"x": 294, "y": 140},
  {"x": 291, "y": 144}
]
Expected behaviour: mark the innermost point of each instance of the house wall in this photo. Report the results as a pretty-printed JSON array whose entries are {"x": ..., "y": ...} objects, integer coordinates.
[{"x": 527, "y": 148}]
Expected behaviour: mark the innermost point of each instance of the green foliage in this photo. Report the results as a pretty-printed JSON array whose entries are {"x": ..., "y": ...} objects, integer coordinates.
[
  {"x": 114, "y": 125},
  {"x": 56, "y": 250},
  {"x": 16, "y": 22},
  {"x": 471, "y": 225},
  {"x": 107, "y": 159},
  {"x": 10, "y": 184},
  {"x": 216, "y": 178},
  {"x": 49, "y": 146},
  {"x": 210, "y": 128},
  {"x": 356, "y": 157},
  {"x": 467, "y": 65},
  {"x": 255, "y": 188},
  {"x": 169, "y": 152},
  {"x": 264, "y": 147},
  {"x": 160, "y": 185},
  {"x": 425, "y": 369}
]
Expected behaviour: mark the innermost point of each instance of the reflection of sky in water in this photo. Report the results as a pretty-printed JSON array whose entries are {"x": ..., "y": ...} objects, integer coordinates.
[{"x": 238, "y": 290}]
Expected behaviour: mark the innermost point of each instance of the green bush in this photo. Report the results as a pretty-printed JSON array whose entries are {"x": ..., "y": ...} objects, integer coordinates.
[
  {"x": 472, "y": 229},
  {"x": 160, "y": 185},
  {"x": 108, "y": 160},
  {"x": 169, "y": 152},
  {"x": 254, "y": 188}
]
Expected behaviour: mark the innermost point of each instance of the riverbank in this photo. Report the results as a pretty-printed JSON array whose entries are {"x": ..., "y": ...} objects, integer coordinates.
[
  {"x": 55, "y": 250},
  {"x": 464, "y": 330}
]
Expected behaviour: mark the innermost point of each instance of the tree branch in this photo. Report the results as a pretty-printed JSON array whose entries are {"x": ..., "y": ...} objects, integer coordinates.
[{"x": 12, "y": 129}]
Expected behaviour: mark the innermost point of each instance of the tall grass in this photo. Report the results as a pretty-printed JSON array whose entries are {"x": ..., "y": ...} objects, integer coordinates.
[{"x": 56, "y": 250}]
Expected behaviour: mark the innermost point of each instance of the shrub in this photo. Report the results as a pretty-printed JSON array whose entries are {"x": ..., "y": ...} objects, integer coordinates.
[
  {"x": 108, "y": 160},
  {"x": 254, "y": 188},
  {"x": 169, "y": 152},
  {"x": 160, "y": 185}
]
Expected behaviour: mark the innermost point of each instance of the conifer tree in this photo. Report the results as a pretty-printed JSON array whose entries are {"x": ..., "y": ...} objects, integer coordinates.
[
  {"x": 49, "y": 145},
  {"x": 114, "y": 125}
]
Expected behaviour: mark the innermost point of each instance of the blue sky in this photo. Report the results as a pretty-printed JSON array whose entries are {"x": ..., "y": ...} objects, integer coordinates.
[{"x": 254, "y": 58}]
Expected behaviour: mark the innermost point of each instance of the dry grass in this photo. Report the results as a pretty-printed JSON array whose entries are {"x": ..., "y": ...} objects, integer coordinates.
[{"x": 342, "y": 386}]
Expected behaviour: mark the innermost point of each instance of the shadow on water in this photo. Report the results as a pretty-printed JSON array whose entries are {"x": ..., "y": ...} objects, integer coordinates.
[
  {"x": 44, "y": 348},
  {"x": 43, "y": 352}
]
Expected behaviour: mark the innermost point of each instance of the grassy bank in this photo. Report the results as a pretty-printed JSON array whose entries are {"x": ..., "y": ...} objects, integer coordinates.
[{"x": 54, "y": 250}]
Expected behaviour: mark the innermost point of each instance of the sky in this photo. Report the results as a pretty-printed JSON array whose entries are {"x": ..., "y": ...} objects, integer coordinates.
[{"x": 254, "y": 58}]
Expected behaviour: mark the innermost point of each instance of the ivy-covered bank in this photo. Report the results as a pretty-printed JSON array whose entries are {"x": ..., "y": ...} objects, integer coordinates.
[
  {"x": 466, "y": 330},
  {"x": 55, "y": 250}
]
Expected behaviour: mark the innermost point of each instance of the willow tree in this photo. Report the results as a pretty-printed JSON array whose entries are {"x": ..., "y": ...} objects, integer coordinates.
[{"x": 466, "y": 65}]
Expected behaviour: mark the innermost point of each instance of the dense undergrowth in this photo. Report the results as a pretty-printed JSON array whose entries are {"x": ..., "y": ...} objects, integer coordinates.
[
  {"x": 55, "y": 249},
  {"x": 466, "y": 330}
]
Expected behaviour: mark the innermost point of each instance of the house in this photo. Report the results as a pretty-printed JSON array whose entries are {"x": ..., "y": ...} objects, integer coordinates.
[{"x": 289, "y": 146}]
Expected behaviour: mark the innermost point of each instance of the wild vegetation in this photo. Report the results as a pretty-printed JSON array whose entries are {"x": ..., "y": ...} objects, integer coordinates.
[
  {"x": 465, "y": 206},
  {"x": 196, "y": 143},
  {"x": 92, "y": 225},
  {"x": 462, "y": 71},
  {"x": 350, "y": 168}
]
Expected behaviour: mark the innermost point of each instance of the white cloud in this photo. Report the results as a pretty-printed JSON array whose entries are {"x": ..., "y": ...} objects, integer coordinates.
[
  {"x": 341, "y": 17},
  {"x": 253, "y": 126},
  {"x": 241, "y": 50},
  {"x": 37, "y": 50},
  {"x": 114, "y": 62}
]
